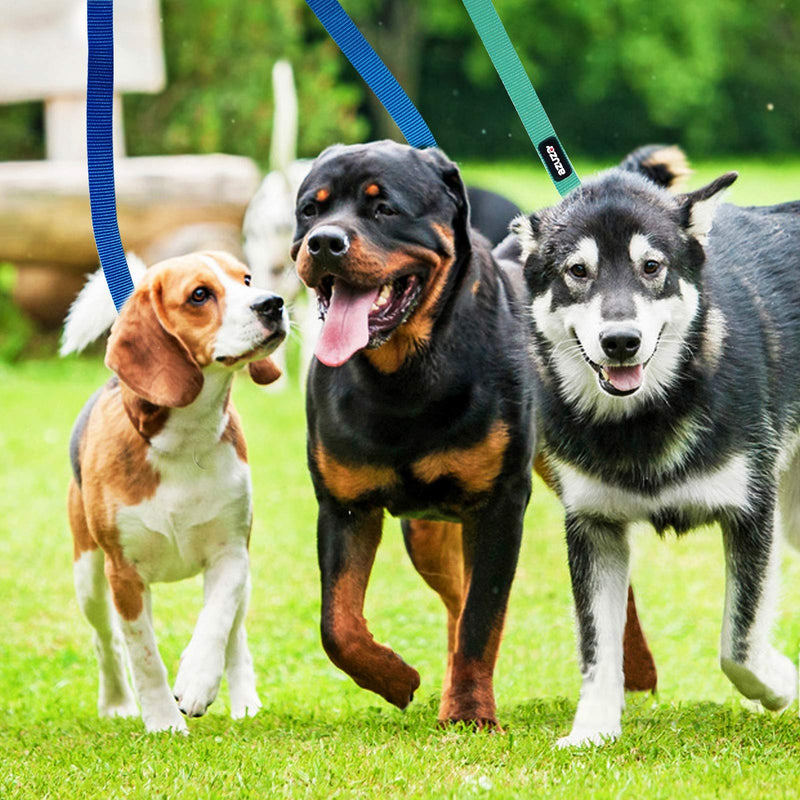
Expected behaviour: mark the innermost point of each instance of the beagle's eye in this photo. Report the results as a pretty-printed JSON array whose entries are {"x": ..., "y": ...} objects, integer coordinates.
[
  {"x": 309, "y": 210},
  {"x": 651, "y": 267},
  {"x": 384, "y": 210},
  {"x": 578, "y": 271},
  {"x": 199, "y": 296},
  {"x": 247, "y": 279}
]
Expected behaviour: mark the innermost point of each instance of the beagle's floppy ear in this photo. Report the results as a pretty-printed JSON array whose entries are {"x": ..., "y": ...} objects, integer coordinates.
[
  {"x": 148, "y": 358},
  {"x": 264, "y": 371}
]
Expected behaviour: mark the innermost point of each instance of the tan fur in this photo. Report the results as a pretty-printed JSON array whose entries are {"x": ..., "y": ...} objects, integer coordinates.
[
  {"x": 475, "y": 467},
  {"x": 415, "y": 333},
  {"x": 350, "y": 481},
  {"x": 674, "y": 159}
]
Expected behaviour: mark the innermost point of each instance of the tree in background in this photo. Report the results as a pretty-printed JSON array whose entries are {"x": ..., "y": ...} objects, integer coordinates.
[{"x": 714, "y": 77}]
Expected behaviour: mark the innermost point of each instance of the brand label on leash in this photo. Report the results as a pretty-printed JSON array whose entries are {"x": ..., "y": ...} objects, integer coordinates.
[{"x": 555, "y": 159}]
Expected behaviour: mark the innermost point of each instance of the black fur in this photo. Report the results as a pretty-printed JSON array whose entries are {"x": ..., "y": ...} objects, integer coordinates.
[
  {"x": 472, "y": 373},
  {"x": 736, "y": 383}
]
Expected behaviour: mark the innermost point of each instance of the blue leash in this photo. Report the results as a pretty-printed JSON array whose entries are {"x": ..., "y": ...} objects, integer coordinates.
[
  {"x": 375, "y": 73},
  {"x": 100, "y": 148},
  {"x": 100, "y": 99}
]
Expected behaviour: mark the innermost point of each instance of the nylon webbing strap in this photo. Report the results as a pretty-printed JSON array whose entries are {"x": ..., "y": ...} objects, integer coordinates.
[
  {"x": 100, "y": 148},
  {"x": 522, "y": 94},
  {"x": 374, "y": 72}
]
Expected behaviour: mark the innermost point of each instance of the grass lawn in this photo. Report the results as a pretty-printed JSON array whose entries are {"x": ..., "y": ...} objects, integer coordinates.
[{"x": 318, "y": 734}]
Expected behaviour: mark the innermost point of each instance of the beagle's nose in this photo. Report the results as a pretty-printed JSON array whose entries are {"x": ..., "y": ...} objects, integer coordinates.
[
  {"x": 328, "y": 241},
  {"x": 269, "y": 307},
  {"x": 620, "y": 343}
]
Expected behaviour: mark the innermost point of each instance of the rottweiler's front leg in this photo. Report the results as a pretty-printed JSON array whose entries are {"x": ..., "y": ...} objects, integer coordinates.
[
  {"x": 347, "y": 541},
  {"x": 491, "y": 543}
]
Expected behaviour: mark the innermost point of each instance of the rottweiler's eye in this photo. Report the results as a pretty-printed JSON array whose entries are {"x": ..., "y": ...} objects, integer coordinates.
[
  {"x": 247, "y": 279},
  {"x": 199, "y": 296},
  {"x": 651, "y": 267},
  {"x": 384, "y": 210},
  {"x": 578, "y": 271},
  {"x": 309, "y": 210}
]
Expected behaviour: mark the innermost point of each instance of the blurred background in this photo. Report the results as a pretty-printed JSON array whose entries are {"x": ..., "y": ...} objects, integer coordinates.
[{"x": 720, "y": 79}]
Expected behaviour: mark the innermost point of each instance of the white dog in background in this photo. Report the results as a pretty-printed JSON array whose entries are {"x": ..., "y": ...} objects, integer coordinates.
[{"x": 269, "y": 220}]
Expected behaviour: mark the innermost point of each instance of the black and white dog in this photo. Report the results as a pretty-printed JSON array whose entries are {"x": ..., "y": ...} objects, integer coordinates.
[{"x": 668, "y": 391}]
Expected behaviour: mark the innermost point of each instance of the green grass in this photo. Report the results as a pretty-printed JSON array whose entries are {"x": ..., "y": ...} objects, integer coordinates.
[
  {"x": 318, "y": 734},
  {"x": 760, "y": 182}
]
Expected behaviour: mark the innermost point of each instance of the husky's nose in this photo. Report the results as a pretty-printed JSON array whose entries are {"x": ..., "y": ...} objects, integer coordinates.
[
  {"x": 328, "y": 241},
  {"x": 269, "y": 307},
  {"x": 620, "y": 343}
]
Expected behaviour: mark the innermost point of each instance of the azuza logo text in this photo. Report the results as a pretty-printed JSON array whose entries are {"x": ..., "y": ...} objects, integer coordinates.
[{"x": 556, "y": 161}]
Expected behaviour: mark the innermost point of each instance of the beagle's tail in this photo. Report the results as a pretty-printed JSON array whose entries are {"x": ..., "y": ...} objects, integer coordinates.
[{"x": 92, "y": 312}]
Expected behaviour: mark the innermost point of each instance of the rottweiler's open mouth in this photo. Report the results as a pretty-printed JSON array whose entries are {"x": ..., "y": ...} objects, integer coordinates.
[{"x": 354, "y": 318}]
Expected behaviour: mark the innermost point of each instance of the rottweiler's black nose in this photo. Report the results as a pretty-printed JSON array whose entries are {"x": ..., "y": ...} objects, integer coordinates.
[
  {"x": 269, "y": 307},
  {"x": 620, "y": 343},
  {"x": 328, "y": 241}
]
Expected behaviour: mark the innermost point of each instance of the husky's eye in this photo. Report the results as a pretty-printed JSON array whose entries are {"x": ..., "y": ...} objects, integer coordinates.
[
  {"x": 199, "y": 296},
  {"x": 247, "y": 279},
  {"x": 651, "y": 267},
  {"x": 578, "y": 271},
  {"x": 383, "y": 210}
]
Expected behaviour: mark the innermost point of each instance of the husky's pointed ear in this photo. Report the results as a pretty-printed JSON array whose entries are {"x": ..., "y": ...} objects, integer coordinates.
[
  {"x": 699, "y": 206},
  {"x": 526, "y": 229}
]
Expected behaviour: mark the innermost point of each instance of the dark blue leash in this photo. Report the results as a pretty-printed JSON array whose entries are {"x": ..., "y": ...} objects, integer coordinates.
[
  {"x": 100, "y": 148},
  {"x": 375, "y": 73}
]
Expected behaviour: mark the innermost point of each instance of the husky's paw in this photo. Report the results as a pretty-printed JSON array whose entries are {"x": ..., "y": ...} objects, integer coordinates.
[
  {"x": 773, "y": 682},
  {"x": 585, "y": 737}
]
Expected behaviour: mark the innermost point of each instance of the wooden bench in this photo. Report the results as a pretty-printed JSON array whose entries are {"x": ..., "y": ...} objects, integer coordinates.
[{"x": 167, "y": 205}]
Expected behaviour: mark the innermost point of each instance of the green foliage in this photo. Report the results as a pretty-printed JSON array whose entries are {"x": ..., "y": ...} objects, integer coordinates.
[
  {"x": 220, "y": 55},
  {"x": 714, "y": 77},
  {"x": 16, "y": 330}
]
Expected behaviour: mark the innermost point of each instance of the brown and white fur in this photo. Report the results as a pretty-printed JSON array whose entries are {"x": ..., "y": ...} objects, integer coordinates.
[{"x": 161, "y": 488}]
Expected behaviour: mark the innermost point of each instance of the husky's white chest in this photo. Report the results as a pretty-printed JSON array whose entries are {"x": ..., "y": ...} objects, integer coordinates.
[
  {"x": 724, "y": 487},
  {"x": 202, "y": 506}
]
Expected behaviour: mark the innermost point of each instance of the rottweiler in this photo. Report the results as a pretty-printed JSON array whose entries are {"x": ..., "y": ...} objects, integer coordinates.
[{"x": 419, "y": 402}]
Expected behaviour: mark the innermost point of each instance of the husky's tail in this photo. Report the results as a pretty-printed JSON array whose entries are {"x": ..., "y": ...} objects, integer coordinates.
[
  {"x": 665, "y": 165},
  {"x": 92, "y": 312}
]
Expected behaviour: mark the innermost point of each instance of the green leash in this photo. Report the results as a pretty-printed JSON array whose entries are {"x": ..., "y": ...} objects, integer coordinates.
[{"x": 523, "y": 95}]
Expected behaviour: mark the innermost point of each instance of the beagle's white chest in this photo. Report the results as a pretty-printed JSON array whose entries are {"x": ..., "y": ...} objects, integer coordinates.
[{"x": 201, "y": 509}]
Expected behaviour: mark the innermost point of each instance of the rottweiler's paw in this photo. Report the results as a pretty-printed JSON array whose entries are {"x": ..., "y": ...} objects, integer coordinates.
[
  {"x": 399, "y": 687},
  {"x": 488, "y": 724}
]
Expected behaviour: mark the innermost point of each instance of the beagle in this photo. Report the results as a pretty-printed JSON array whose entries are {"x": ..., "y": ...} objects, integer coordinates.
[{"x": 161, "y": 486}]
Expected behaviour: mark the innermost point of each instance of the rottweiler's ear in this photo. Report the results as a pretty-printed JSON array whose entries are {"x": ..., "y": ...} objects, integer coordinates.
[
  {"x": 264, "y": 371},
  {"x": 526, "y": 229},
  {"x": 149, "y": 358},
  {"x": 698, "y": 207},
  {"x": 451, "y": 177}
]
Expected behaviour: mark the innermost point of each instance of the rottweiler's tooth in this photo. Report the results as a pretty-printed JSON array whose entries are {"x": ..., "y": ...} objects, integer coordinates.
[{"x": 383, "y": 297}]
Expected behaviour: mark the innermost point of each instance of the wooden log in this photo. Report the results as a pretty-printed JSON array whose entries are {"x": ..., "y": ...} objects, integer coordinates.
[{"x": 44, "y": 205}]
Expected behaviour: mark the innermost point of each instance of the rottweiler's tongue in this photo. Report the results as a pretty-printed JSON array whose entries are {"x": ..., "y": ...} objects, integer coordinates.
[
  {"x": 625, "y": 378},
  {"x": 346, "y": 326}
]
